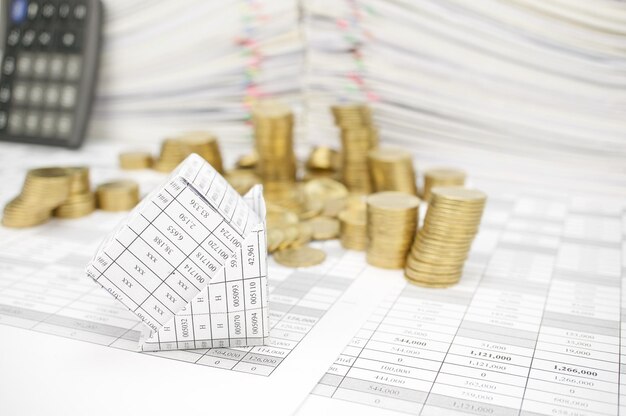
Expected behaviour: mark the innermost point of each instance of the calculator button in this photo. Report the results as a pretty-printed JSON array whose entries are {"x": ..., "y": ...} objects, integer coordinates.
[
  {"x": 57, "y": 67},
  {"x": 35, "y": 95},
  {"x": 80, "y": 11},
  {"x": 45, "y": 38},
  {"x": 73, "y": 68},
  {"x": 19, "y": 10},
  {"x": 48, "y": 10},
  {"x": 13, "y": 38},
  {"x": 64, "y": 125},
  {"x": 20, "y": 92},
  {"x": 16, "y": 121},
  {"x": 8, "y": 67},
  {"x": 5, "y": 94},
  {"x": 28, "y": 38},
  {"x": 68, "y": 96},
  {"x": 3, "y": 120},
  {"x": 53, "y": 93},
  {"x": 33, "y": 9},
  {"x": 64, "y": 10},
  {"x": 40, "y": 67},
  {"x": 48, "y": 124},
  {"x": 31, "y": 123},
  {"x": 68, "y": 40},
  {"x": 25, "y": 63}
]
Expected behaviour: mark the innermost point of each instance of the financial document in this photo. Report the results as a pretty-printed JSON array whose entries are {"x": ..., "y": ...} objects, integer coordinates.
[
  {"x": 533, "y": 328},
  {"x": 44, "y": 289}
]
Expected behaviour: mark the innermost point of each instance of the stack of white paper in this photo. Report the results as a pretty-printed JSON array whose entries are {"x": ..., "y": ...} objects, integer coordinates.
[{"x": 173, "y": 65}]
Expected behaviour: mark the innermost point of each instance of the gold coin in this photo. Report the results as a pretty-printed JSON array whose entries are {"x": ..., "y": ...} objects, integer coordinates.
[
  {"x": 304, "y": 256},
  {"x": 274, "y": 239},
  {"x": 117, "y": 195},
  {"x": 135, "y": 160},
  {"x": 393, "y": 201},
  {"x": 305, "y": 234},
  {"x": 248, "y": 161},
  {"x": 290, "y": 236},
  {"x": 324, "y": 228}
]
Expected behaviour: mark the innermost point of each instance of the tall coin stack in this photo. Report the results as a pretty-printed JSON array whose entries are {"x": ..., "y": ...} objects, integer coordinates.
[
  {"x": 273, "y": 136},
  {"x": 441, "y": 177},
  {"x": 358, "y": 136},
  {"x": 80, "y": 201},
  {"x": 391, "y": 224},
  {"x": 44, "y": 189},
  {"x": 442, "y": 245},
  {"x": 392, "y": 170}
]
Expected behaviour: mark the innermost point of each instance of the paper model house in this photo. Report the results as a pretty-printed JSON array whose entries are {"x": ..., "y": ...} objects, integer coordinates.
[{"x": 190, "y": 262}]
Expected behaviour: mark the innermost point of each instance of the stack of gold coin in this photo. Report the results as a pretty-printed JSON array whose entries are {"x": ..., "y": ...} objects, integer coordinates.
[
  {"x": 117, "y": 195},
  {"x": 173, "y": 151},
  {"x": 391, "y": 224},
  {"x": 442, "y": 245},
  {"x": 81, "y": 201},
  {"x": 441, "y": 177},
  {"x": 358, "y": 137},
  {"x": 135, "y": 160},
  {"x": 44, "y": 189},
  {"x": 273, "y": 136},
  {"x": 323, "y": 162},
  {"x": 350, "y": 115},
  {"x": 392, "y": 170},
  {"x": 353, "y": 229},
  {"x": 356, "y": 144},
  {"x": 204, "y": 144}
]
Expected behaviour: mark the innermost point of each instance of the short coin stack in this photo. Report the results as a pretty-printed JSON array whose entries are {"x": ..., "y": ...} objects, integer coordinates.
[
  {"x": 441, "y": 177},
  {"x": 205, "y": 145},
  {"x": 353, "y": 229},
  {"x": 358, "y": 136},
  {"x": 391, "y": 225},
  {"x": 118, "y": 195},
  {"x": 442, "y": 245},
  {"x": 392, "y": 170},
  {"x": 172, "y": 153},
  {"x": 135, "y": 160},
  {"x": 80, "y": 201},
  {"x": 44, "y": 190}
]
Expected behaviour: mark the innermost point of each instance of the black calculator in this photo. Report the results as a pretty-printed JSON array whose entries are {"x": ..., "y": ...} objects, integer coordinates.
[{"x": 49, "y": 69}]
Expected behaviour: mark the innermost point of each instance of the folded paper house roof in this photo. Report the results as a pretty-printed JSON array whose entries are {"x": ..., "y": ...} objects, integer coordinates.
[{"x": 190, "y": 261}]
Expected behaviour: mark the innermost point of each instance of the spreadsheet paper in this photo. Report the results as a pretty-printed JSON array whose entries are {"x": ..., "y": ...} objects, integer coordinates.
[{"x": 533, "y": 328}]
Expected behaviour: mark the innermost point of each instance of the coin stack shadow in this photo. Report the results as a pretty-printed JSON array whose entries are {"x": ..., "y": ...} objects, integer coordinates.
[
  {"x": 443, "y": 243},
  {"x": 358, "y": 137},
  {"x": 441, "y": 177},
  {"x": 273, "y": 137},
  {"x": 391, "y": 224},
  {"x": 392, "y": 170}
]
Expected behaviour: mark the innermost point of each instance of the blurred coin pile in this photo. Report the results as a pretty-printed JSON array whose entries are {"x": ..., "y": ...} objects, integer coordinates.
[
  {"x": 358, "y": 136},
  {"x": 63, "y": 192},
  {"x": 323, "y": 162},
  {"x": 392, "y": 170},
  {"x": 441, "y": 177},
  {"x": 442, "y": 244},
  {"x": 391, "y": 224},
  {"x": 175, "y": 150}
]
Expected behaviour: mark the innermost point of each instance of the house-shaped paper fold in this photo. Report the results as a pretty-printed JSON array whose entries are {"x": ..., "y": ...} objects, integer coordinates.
[{"x": 190, "y": 261}]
